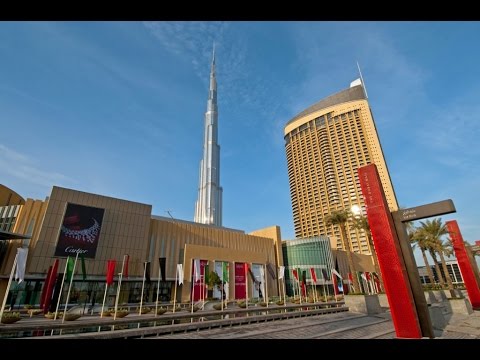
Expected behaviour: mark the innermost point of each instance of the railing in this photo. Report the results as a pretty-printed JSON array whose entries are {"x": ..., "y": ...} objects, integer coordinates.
[{"x": 150, "y": 325}]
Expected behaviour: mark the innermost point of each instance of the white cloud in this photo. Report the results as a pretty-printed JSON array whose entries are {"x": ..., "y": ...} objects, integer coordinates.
[{"x": 22, "y": 167}]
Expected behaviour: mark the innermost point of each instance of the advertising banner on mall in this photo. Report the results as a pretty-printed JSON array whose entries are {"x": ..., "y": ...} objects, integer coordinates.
[
  {"x": 198, "y": 279},
  {"x": 79, "y": 231},
  {"x": 240, "y": 291}
]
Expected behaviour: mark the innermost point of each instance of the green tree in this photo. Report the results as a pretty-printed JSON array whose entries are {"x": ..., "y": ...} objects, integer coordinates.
[
  {"x": 434, "y": 231},
  {"x": 339, "y": 218},
  {"x": 422, "y": 243},
  {"x": 361, "y": 223}
]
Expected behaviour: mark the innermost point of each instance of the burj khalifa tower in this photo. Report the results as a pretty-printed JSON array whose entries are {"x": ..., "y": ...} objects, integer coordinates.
[{"x": 208, "y": 207}]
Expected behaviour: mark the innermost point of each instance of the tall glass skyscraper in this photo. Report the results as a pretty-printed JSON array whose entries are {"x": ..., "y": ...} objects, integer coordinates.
[
  {"x": 325, "y": 145},
  {"x": 208, "y": 207}
]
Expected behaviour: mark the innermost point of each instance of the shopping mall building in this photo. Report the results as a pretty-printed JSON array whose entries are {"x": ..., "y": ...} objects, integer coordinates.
[{"x": 104, "y": 228}]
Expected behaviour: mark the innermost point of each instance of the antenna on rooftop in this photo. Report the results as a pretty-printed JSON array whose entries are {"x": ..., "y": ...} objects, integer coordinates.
[{"x": 363, "y": 82}]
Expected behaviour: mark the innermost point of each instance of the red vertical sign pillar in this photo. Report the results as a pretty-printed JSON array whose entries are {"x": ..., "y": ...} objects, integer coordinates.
[
  {"x": 463, "y": 262},
  {"x": 390, "y": 259}
]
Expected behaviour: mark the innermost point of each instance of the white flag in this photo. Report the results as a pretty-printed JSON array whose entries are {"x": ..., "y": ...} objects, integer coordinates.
[
  {"x": 196, "y": 263},
  {"x": 180, "y": 274},
  {"x": 364, "y": 277},
  {"x": 281, "y": 272},
  {"x": 336, "y": 273},
  {"x": 21, "y": 263}
]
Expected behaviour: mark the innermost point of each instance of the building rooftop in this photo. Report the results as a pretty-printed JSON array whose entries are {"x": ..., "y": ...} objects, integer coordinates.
[{"x": 350, "y": 94}]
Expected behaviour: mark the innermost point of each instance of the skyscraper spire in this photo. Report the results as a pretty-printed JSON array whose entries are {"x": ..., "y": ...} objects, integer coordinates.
[{"x": 208, "y": 207}]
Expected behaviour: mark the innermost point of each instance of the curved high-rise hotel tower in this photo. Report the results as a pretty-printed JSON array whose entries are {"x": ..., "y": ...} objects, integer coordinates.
[
  {"x": 325, "y": 145},
  {"x": 208, "y": 207}
]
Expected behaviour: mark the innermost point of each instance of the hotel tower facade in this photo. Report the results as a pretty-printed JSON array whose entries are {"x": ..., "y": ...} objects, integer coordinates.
[
  {"x": 325, "y": 145},
  {"x": 208, "y": 207}
]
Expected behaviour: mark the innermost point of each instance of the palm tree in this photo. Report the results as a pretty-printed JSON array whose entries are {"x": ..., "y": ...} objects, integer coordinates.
[
  {"x": 434, "y": 231},
  {"x": 340, "y": 218},
  {"x": 361, "y": 223},
  {"x": 415, "y": 239}
]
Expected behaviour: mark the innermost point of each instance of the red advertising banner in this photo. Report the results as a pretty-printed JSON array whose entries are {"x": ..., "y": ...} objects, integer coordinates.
[
  {"x": 198, "y": 280},
  {"x": 80, "y": 231},
  {"x": 390, "y": 258},
  {"x": 473, "y": 288},
  {"x": 240, "y": 278}
]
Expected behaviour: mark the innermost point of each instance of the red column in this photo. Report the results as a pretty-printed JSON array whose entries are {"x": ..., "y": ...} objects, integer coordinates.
[
  {"x": 390, "y": 259},
  {"x": 465, "y": 266}
]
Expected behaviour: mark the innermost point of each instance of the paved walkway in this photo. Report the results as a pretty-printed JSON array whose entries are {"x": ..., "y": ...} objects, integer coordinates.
[{"x": 346, "y": 325}]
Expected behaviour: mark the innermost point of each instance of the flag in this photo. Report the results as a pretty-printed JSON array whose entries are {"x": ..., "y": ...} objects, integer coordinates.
[
  {"x": 206, "y": 276},
  {"x": 147, "y": 272},
  {"x": 44, "y": 290},
  {"x": 336, "y": 273},
  {"x": 367, "y": 275},
  {"x": 271, "y": 271},
  {"x": 225, "y": 270},
  {"x": 180, "y": 274},
  {"x": 281, "y": 272},
  {"x": 304, "y": 282},
  {"x": 261, "y": 286},
  {"x": 325, "y": 275},
  {"x": 162, "y": 263},
  {"x": 196, "y": 269},
  {"x": 50, "y": 286},
  {"x": 84, "y": 271},
  {"x": 70, "y": 263},
  {"x": 21, "y": 263},
  {"x": 125, "y": 267},
  {"x": 110, "y": 271},
  {"x": 295, "y": 275},
  {"x": 252, "y": 275},
  {"x": 335, "y": 285},
  {"x": 246, "y": 269},
  {"x": 314, "y": 276},
  {"x": 363, "y": 276}
]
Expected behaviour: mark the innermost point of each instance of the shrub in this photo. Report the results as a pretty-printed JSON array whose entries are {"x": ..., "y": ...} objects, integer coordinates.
[
  {"x": 72, "y": 317},
  {"x": 10, "y": 317},
  {"x": 161, "y": 311}
]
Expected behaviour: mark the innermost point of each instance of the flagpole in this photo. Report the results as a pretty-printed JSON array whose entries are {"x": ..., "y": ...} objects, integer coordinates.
[
  {"x": 222, "y": 290},
  {"x": 246, "y": 286},
  {"x": 265, "y": 283},
  {"x": 8, "y": 286},
  {"x": 120, "y": 276},
  {"x": 60, "y": 294},
  {"x": 69, "y": 288},
  {"x": 143, "y": 287},
  {"x": 284, "y": 292},
  {"x": 175, "y": 291},
  {"x": 158, "y": 287},
  {"x": 104, "y": 297},
  {"x": 193, "y": 282}
]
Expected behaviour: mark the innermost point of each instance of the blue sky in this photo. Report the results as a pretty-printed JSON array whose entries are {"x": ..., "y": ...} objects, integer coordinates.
[{"x": 116, "y": 108}]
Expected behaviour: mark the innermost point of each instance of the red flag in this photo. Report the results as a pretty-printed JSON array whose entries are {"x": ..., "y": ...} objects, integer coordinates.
[
  {"x": 125, "y": 269},
  {"x": 50, "y": 286},
  {"x": 367, "y": 274},
  {"x": 44, "y": 290},
  {"x": 314, "y": 276},
  {"x": 110, "y": 271},
  {"x": 295, "y": 274}
]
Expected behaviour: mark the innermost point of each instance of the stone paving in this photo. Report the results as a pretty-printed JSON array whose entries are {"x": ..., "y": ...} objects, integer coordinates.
[{"x": 346, "y": 325}]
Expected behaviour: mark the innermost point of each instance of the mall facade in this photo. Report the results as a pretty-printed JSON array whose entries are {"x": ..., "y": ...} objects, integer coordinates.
[{"x": 104, "y": 228}]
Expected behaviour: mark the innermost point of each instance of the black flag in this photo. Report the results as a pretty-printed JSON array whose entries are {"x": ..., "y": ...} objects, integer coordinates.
[
  {"x": 162, "y": 261},
  {"x": 324, "y": 273},
  {"x": 271, "y": 271},
  {"x": 147, "y": 272}
]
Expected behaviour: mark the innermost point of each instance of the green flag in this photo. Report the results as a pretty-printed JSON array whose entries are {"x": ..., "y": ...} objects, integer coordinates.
[
  {"x": 70, "y": 262},
  {"x": 84, "y": 271},
  {"x": 225, "y": 269},
  {"x": 206, "y": 274}
]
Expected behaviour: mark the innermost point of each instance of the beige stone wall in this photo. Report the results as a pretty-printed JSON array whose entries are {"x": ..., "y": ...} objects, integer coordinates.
[
  {"x": 9, "y": 197},
  {"x": 181, "y": 242},
  {"x": 124, "y": 231}
]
